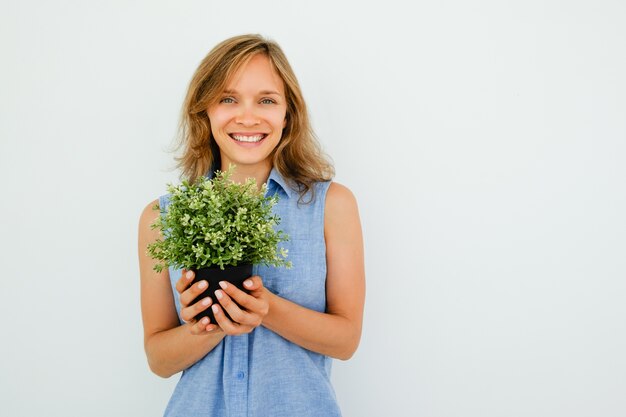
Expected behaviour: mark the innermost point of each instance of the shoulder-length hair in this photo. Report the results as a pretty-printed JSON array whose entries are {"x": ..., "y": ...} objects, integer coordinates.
[{"x": 298, "y": 156}]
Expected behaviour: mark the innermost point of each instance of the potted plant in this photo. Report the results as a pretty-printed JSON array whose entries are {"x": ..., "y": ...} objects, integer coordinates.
[{"x": 218, "y": 229}]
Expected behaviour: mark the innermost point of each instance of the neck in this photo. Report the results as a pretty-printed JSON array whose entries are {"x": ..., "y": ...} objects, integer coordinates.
[{"x": 260, "y": 172}]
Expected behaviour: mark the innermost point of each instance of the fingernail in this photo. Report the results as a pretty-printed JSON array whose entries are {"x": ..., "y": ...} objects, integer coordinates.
[
  {"x": 223, "y": 284},
  {"x": 206, "y": 301},
  {"x": 205, "y": 321},
  {"x": 247, "y": 283},
  {"x": 218, "y": 294},
  {"x": 210, "y": 329},
  {"x": 189, "y": 275},
  {"x": 202, "y": 285},
  {"x": 215, "y": 309}
]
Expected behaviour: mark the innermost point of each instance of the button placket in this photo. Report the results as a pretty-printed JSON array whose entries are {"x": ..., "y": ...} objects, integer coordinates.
[{"x": 239, "y": 390}]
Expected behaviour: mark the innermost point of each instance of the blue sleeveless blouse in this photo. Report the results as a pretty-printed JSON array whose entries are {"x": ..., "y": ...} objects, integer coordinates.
[{"x": 261, "y": 374}]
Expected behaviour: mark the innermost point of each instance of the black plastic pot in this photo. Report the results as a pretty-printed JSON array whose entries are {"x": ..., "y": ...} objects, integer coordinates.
[{"x": 235, "y": 275}]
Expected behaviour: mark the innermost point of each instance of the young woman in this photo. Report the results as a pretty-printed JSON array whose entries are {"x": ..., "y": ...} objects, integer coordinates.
[{"x": 244, "y": 107}]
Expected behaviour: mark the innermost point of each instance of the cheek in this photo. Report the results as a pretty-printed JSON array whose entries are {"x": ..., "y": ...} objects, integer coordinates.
[
  {"x": 218, "y": 119},
  {"x": 278, "y": 120}
]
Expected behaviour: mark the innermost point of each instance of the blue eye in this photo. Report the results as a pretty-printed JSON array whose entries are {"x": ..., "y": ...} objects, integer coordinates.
[
  {"x": 268, "y": 101},
  {"x": 227, "y": 100}
]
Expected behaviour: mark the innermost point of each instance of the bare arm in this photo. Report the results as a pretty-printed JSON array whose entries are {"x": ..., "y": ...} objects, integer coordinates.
[
  {"x": 170, "y": 347},
  {"x": 336, "y": 332}
]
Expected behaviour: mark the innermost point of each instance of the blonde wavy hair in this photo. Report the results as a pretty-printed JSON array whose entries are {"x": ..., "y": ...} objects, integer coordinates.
[{"x": 298, "y": 156}]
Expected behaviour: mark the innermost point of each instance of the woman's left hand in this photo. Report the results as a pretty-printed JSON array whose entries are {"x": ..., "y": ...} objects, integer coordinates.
[{"x": 254, "y": 306}]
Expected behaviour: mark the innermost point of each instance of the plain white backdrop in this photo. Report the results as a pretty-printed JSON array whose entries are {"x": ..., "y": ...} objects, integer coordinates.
[{"x": 485, "y": 142}]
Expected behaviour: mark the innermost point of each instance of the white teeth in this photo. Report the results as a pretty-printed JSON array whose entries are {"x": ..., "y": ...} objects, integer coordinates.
[{"x": 255, "y": 138}]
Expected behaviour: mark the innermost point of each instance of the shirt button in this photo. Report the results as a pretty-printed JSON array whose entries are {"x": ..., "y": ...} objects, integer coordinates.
[{"x": 240, "y": 375}]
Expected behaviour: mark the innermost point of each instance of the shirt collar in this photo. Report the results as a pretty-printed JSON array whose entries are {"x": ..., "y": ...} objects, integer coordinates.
[{"x": 277, "y": 180}]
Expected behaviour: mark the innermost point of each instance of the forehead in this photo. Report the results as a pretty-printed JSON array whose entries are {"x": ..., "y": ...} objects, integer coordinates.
[{"x": 255, "y": 75}]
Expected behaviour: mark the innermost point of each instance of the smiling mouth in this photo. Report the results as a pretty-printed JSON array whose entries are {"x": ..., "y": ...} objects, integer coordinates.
[{"x": 248, "y": 138}]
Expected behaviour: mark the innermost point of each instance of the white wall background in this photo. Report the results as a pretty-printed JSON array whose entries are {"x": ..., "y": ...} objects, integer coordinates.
[{"x": 485, "y": 142}]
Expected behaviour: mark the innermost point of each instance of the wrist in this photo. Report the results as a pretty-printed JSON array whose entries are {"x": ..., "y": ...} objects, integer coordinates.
[{"x": 271, "y": 299}]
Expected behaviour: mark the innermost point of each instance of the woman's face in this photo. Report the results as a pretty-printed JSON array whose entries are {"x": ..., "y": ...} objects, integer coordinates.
[{"x": 248, "y": 120}]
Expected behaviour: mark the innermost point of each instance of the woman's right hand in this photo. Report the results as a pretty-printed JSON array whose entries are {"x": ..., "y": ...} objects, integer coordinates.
[{"x": 187, "y": 293}]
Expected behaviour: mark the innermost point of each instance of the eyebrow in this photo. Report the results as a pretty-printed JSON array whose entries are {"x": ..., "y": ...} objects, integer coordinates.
[{"x": 260, "y": 92}]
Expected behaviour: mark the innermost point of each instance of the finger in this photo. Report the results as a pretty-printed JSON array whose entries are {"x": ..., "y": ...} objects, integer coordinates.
[
  {"x": 212, "y": 327},
  {"x": 188, "y": 313},
  {"x": 237, "y": 315},
  {"x": 226, "y": 324},
  {"x": 199, "y": 326},
  {"x": 244, "y": 299},
  {"x": 193, "y": 292},
  {"x": 185, "y": 279},
  {"x": 254, "y": 283},
  {"x": 202, "y": 326}
]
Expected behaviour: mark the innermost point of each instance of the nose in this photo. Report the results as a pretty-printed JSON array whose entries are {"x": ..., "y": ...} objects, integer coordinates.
[{"x": 246, "y": 116}]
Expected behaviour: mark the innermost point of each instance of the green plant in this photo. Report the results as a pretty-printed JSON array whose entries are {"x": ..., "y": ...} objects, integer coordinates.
[{"x": 217, "y": 222}]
